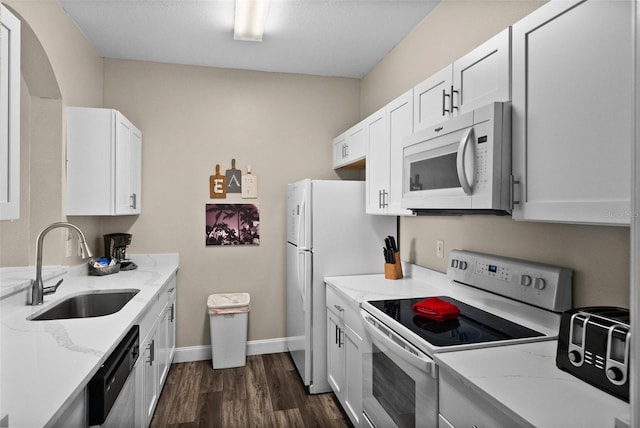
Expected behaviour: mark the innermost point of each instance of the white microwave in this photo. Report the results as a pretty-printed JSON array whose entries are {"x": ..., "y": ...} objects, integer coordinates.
[{"x": 462, "y": 166}]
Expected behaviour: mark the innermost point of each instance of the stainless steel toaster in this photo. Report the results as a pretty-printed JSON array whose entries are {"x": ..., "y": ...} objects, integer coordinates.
[{"x": 593, "y": 345}]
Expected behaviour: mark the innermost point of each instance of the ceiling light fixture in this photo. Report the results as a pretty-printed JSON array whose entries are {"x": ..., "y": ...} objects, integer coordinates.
[{"x": 250, "y": 19}]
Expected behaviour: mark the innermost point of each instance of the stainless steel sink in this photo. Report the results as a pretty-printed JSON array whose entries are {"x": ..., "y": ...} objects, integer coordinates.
[{"x": 87, "y": 305}]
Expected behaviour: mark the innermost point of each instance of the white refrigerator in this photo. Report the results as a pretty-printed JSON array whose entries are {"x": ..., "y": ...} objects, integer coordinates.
[{"x": 328, "y": 234}]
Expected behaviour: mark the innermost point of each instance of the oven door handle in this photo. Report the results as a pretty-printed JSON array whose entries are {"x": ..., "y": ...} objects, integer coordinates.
[{"x": 401, "y": 347}]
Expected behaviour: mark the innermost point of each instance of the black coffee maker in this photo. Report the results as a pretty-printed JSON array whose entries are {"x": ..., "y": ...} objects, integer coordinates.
[{"x": 115, "y": 247}]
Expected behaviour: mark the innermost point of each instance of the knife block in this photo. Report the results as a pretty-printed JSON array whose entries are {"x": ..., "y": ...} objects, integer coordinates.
[
  {"x": 393, "y": 270},
  {"x": 390, "y": 271},
  {"x": 398, "y": 266}
]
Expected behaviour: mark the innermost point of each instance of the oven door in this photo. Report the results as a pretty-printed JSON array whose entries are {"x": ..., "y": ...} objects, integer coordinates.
[{"x": 400, "y": 385}]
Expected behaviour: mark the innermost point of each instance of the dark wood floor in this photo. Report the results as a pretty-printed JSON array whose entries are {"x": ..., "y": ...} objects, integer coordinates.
[{"x": 267, "y": 392}]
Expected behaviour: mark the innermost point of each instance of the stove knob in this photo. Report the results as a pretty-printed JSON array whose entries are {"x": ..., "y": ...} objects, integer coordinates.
[
  {"x": 575, "y": 357},
  {"x": 540, "y": 283},
  {"x": 463, "y": 265},
  {"x": 614, "y": 373},
  {"x": 525, "y": 280},
  {"x": 454, "y": 263}
]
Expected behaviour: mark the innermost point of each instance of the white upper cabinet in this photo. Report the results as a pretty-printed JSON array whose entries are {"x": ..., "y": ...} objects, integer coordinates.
[
  {"x": 386, "y": 129},
  {"x": 349, "y": 148},
  {"x": 104, "y": 163},
  {"x": 432, "y": 99},
  {"x": 572, "y": 112},
  {"x": 480, "y": 77},
  {"x": 9, "y": 115},
  {"x": 377, "y": 169}
]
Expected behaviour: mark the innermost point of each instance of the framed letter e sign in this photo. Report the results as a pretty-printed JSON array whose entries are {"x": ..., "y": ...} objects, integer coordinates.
[{"x": 218, "y": 185}]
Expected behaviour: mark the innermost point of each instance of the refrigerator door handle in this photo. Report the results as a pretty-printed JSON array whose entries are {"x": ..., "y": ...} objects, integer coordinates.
[
  {"x": 301, "y": 276},
  {"x": 302, "y": 240}
]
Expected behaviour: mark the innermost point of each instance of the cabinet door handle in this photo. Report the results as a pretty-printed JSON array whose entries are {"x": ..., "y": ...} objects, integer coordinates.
[
  {"x": 134, "y": 201},
  {"x": 152, "y": 352},
  {"x": 451, "y": 106},
  {"x": 339, "y": 308},
  {"x": 514, "y": 182},
  {"x": 172, "y": 309},
  {"x": 336, "y": 335},
  {"x": 340, "y": 334},
  {"x": 444, "y": 104}
]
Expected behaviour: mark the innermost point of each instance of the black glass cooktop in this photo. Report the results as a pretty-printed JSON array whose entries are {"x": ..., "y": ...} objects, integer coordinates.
[{"x": 473, "y": 325}]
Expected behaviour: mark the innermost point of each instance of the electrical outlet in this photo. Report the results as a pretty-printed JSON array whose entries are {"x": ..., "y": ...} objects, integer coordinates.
[{"x": 440, "y": 248}]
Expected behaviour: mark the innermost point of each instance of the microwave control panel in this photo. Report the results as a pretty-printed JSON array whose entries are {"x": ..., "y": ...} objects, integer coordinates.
[{"x": 537, "y": 284}]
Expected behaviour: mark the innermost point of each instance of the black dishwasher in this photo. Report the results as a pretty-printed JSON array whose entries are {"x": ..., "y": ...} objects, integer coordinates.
[{"x": 107, "y": 383}]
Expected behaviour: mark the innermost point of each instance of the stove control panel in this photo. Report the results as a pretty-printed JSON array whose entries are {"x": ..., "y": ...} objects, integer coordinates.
[{"x": 545, "y": 286}]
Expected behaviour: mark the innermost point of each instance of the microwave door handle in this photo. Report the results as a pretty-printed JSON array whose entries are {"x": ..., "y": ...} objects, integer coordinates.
[{"x": 461, "y": 166}]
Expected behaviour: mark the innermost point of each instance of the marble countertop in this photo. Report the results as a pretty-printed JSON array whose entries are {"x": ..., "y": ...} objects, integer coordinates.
[
  {"x": 521, "y": 379},
  {"x": 44, "y": 364},
  {"x": 15, "y": 279},
  {"x": 524, "y": 382}
]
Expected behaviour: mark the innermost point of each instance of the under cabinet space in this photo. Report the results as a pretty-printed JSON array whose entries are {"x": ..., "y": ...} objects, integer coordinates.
[{"x": 104, "y": 163}]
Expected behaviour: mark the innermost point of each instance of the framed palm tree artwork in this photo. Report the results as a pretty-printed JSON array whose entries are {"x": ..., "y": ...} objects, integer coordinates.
[{"x": 232, "y": 224}]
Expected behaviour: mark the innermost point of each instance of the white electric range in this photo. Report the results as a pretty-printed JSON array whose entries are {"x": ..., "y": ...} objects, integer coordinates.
[{"x": 502, "y": 301}]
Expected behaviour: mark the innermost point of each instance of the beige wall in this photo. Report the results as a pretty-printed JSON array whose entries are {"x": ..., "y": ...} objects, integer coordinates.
[
  {"x": 193, "y": 118},
  {"x": 59, "y": 67},
  {"x": 598, "y": 255},
  {"x": 74, "y": 60}
]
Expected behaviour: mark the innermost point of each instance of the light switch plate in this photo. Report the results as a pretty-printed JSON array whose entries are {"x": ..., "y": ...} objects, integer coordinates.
[{"x": 249, "y": 186}]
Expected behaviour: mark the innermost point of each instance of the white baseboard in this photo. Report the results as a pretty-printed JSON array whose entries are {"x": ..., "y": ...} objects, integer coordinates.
[{"x": 254, "y": 347}]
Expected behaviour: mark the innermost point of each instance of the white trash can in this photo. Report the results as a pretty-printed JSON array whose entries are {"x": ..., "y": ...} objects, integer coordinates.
[{"x": 228, "y": 316}]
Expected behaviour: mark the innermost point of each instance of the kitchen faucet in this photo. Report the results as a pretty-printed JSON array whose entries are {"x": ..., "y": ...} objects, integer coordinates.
[{"x": 38, "y": 289}]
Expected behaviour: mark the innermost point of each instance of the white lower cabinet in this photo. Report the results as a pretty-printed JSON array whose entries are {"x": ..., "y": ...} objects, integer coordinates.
[
  {"x": 344, "y": 354},
  {"x": 157, "y": 347},
  {"x": 462, "y": 407},
  {"x": 166, "y": 333},
  {"x": 149, "y": 386}
]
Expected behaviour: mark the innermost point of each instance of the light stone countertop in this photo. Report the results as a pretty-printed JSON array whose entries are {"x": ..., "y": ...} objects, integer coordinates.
[
  {"x": 521, "y": 379},
  {"x": 524, "y": 382},
  {"x": 45, "y": 364},
  {"x": 15, "y": 279}
]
